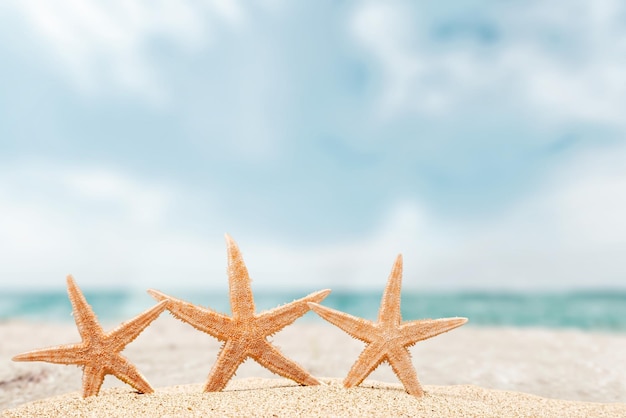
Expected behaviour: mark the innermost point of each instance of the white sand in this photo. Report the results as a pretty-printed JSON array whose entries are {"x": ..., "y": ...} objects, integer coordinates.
[
  {"x": 568, "y": 365},
  {"x": 256, "y": 397}
]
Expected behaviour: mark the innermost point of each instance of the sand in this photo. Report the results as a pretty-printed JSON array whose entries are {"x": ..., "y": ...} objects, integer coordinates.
[
  {"x": 255, "y": 397},
  {"x": 477, "y": 372}
]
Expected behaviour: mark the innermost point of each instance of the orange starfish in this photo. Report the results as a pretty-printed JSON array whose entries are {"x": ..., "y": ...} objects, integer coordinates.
[
  {"x": 388, "y": 338},
  {"x": 98, "y": 353},
  {"x": 245, "y": 332}
]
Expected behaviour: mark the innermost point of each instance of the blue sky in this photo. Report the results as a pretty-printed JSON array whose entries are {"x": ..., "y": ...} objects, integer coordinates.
[{"x": 484, "y": 141}]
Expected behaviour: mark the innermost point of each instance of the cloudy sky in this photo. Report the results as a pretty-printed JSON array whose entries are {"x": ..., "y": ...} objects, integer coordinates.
[{"x": 486, "y": 141}]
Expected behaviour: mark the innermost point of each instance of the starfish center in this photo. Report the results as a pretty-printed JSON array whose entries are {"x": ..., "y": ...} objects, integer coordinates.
[
  {"x": 100, "y": 349},
  {"x": 388, "y": 332}
]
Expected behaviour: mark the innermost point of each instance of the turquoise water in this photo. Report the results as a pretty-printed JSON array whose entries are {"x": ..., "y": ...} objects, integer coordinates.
[{"x": 584, "y": 310}]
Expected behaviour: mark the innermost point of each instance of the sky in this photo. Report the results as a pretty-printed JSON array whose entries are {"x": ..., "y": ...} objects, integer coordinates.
[{"x": 483, "y": 140}]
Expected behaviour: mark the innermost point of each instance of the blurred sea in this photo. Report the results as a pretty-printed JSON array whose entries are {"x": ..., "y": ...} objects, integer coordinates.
[{"x": 600, "y": 310}]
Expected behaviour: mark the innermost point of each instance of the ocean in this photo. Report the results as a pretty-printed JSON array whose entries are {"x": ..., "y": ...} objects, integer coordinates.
[{"x": 599, "y": 310}]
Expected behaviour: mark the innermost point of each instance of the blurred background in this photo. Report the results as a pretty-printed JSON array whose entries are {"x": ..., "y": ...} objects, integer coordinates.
[{"x": 483, "y": 140}]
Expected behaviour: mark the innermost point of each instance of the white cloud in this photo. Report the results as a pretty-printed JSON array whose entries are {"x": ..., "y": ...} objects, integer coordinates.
[
  {"x": 101, "y": 45},
  {"x": 559, "y": 62},
  {"x": 359, "y": 263},
  {"x": 143, "y": 203},
  {"x": 110, "y": 228},
  {"x": 92, "y": 222},
  {"x": 101, "y": 225},
  {"x": 384, "y": 29},
  {"x": 588, "y": 199},
  {"x": 570, "y": 233}
]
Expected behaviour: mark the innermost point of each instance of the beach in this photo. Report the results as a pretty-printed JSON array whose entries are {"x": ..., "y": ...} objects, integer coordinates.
[{"x": 469, "y": 363}]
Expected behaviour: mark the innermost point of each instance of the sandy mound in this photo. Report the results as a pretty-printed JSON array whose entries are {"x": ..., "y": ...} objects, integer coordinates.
[{"x": 282, "y": 398}]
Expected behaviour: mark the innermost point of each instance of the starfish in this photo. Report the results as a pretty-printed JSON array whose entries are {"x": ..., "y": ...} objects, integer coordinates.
[
  {"x": 245, "y": 333},
  {"x": 388, "y": 338},
  {"x": 98, "y": 353}
]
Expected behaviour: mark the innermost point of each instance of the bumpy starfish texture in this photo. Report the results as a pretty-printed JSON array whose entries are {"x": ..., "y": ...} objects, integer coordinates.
[
  {"x": 245, "y": 333},
  {"x": 388, "y": 338},
  {"x": 99, "y": 352}
]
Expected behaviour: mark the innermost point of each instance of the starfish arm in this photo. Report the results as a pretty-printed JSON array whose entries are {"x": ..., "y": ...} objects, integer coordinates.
[
  {"x": 358, "y": 328},
  {"x": 93, "y": 377},
  {"x": 400, "y": 360},
  {"x": 276, "y": 362},
  {"x": 63, "y": 354},
  {"x": 390, "y": 304},
  {"x": 241, "y": 298},
  {"x": 278, "y": 318},
  {"x": 84, "y": 316},
  {"x": 369, "y": 359},
  {"x": 414, "y": 331},
  {"x": 230, "y": 357},
  {"x": 129, "y": 330},
  {"x": 203, "y": 319},
  {"x": 124, "y": 370}
]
